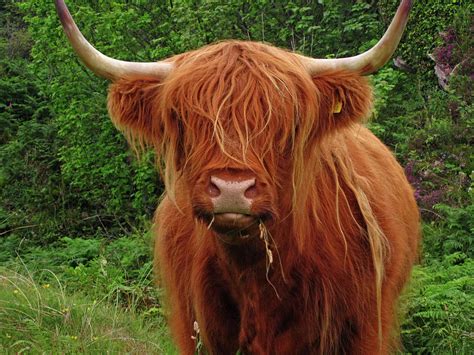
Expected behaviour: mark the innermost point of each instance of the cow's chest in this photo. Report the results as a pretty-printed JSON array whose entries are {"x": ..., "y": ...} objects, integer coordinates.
[{"x": 267, "y": 315}]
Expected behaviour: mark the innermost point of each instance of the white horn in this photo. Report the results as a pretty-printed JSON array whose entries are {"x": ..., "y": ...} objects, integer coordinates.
[
  {"x": 371, "y": 60},
  {"x": 102, "y": 65}
]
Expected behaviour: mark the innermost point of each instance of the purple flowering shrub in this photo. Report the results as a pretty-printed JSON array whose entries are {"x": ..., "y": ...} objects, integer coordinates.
[
  {"x": 455, "y": 55},
  {"x": 437, "y": 182},
  {"x": 425, "y": 196}
]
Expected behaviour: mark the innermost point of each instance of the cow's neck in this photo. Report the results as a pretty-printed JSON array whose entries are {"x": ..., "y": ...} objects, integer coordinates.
[
  {"x": 254, "y": 269},
  {"x": 264, "y": 294},
  {"x": 257, "y": 260}
]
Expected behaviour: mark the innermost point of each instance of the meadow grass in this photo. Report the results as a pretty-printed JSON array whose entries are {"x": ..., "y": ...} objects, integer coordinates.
[
  {"x": 106, "y": 301},
  {"x": 44, "y": 318}
]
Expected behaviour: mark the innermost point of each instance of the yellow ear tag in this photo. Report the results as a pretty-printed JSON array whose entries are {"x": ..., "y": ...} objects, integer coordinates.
[{"x": 337, "y": 107}]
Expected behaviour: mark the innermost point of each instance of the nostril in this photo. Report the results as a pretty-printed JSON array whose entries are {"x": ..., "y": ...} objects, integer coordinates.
[
  {"x": 213, "y": 190},
  {"x": 251, "y": 192},
  {"x": 232, "y": 190}
]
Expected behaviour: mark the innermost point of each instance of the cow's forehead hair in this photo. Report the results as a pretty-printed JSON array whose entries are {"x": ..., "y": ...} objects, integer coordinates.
[{"x": 239, "y": 93}]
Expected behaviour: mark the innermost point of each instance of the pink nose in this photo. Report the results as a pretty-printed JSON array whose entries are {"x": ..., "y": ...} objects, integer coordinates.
[{"x": 232, "y": 196}]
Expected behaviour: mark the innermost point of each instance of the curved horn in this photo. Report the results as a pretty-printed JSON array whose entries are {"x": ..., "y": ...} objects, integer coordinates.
[
  {"x": 371, "y": 60},
  {"x": 99, "y": 63}
]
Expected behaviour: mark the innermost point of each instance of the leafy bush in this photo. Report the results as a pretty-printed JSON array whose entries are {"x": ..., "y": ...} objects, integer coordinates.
[
  {"x": 119, "y": 270},
  {"x": 440, "y": 310},
  {"x": 452, "y": 234}
]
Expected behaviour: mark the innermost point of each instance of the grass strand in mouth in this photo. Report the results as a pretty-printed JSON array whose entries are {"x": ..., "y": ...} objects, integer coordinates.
[
  {"x": 269, "y": 255},
  {"x": 275, "y": 246},
  {"x": 211, "y": 222}
]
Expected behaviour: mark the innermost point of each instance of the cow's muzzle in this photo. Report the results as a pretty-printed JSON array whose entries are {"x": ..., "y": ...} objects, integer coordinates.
[
  {"x": 233, "y": 210},
  {"x": 232, "y": 196}
]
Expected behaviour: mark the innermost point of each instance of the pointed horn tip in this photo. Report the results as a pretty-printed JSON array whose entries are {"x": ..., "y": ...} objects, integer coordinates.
[
  {"x": 63, "y": 12},
  {"x": 406, "y": 6}
]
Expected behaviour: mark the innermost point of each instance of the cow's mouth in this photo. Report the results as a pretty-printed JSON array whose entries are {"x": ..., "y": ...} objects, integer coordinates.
[
  {"x": 234, "y": 228},
  {"x": 231, "y": 223}
]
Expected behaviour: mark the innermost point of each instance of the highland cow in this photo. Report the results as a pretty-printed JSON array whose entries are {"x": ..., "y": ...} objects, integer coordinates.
[{"x": 286, "y": 226}]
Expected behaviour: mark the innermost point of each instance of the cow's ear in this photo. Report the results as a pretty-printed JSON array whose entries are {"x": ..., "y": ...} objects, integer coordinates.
[
  {"x": 132, "y": 107},
  {"x": 345, "y": 98}
]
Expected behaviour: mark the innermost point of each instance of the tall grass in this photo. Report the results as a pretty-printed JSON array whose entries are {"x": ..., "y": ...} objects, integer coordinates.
[{"x": 44, "y": 318}]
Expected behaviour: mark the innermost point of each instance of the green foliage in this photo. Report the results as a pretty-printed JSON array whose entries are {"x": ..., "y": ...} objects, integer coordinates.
[
  {"x": 119, "y": 270},
  {"x": 430, "y": 129},
  {"x": 122, "y": 272},
  {"x": 453, "y": 234},
  {"x": 384, "y": 83},
  {"x": 73, "y": 173},
  {"x": 440, "y": 311}
]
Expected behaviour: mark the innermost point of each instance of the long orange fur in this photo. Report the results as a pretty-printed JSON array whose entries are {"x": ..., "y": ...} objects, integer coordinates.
[{"x": 346, "y": 226}]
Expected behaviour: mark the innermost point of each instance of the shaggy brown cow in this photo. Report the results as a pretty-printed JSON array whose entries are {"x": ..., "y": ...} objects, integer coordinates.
[{"x": 286, "y": 226}]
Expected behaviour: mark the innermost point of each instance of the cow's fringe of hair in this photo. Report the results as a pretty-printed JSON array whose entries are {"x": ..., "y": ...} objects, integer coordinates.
[
  {"x": 231, "y": 107},
  {"x": 262, "y": 99},
  {"x": 379, "y": 245},
  {"x": 337, "y": 171}
]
